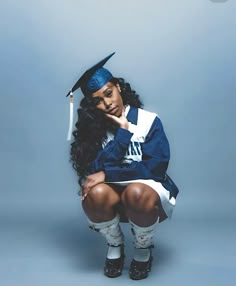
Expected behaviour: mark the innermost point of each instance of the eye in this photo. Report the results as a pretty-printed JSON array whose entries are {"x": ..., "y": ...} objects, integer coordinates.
[{"x": 109, "y": 93}]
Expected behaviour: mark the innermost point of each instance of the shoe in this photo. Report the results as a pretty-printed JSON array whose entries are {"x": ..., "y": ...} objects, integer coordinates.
[
  {"x": 139, "y": 270},
  {"x": 113, "y": 267}
]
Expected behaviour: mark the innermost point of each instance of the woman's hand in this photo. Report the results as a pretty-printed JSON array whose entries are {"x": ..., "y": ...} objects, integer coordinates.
[
  {"x": 91, "y": 181},
  {"x": 121, "y": 121}
]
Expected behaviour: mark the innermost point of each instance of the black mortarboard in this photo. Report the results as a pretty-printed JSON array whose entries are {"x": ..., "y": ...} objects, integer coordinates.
[{"x": 92, "y": 80}]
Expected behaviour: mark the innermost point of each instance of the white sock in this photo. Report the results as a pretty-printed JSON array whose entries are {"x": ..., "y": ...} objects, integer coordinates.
[
  {"x": 113, "y": 252},
  {"x": 141, "y": 254},
  {"x": 112, "y": 232},
  {"x": 143, "y": 240}
]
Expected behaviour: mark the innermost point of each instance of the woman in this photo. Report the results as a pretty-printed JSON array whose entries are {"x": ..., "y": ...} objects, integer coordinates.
[{"x": 121, "y": 155}]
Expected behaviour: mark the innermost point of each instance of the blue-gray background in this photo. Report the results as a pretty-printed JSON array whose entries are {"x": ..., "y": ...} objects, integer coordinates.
[{"x": 180, "y": 57}]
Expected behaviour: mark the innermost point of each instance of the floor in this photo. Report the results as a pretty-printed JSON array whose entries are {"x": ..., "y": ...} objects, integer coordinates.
[{"x": 52, "y": 245}]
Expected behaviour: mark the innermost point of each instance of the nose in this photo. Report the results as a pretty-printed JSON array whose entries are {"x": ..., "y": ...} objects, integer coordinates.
[{"x": 107, "y": 102}]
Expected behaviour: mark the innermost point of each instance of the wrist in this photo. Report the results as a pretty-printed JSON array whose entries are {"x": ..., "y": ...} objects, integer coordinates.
[{"x": 125, "y": 126}]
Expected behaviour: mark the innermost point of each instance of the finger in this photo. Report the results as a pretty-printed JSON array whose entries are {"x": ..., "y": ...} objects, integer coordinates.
[
  {"x": 110, "y": 116},
  {"x": 90, "y": 184},
  {"x": 89, "y": 180},
  {"x": 113, "y": 118},
  {"x": 84, "y": 196},
  {"x": 84, "y": 193}
]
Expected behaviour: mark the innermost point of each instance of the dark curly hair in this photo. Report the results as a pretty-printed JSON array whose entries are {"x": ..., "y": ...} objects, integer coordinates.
[{"x": 92, "y": 126}]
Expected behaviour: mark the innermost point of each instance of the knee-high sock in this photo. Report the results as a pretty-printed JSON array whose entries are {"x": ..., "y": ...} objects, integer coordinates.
[
  {"x": 143, "y": 240},
  {"x": 112, "y": 232}
]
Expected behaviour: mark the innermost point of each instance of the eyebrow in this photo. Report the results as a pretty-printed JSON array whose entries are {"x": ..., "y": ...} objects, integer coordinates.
[{"x": 103, "y": 91}]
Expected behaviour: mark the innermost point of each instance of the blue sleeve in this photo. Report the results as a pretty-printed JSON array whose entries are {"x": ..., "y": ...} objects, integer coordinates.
[
  {"x": 155, "y": 159},
  {"x": 113, "y": 152}
]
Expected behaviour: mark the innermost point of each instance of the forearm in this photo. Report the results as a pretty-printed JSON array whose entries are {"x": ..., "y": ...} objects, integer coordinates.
[
  {"x": 113, "y": 152},
  {"x": 136, "y": 170}
]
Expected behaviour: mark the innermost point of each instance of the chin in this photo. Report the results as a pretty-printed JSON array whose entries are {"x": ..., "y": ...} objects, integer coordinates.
[{"x": 118, "y": 113}]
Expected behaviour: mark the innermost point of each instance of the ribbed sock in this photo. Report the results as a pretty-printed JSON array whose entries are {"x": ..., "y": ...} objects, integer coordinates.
[
  {"x": 112, "y": 232},
  {"x": 143, "y": 240}
]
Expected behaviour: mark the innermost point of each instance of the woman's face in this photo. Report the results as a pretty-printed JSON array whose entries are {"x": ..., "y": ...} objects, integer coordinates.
[{"x": 109, "y": 100}]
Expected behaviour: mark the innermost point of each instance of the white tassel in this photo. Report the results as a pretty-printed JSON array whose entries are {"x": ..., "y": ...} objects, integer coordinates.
[{"x": 71, "y": 117}]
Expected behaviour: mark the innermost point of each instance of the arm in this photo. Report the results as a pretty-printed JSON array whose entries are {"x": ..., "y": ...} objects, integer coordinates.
[
  {"x": 154, "y": 162},
  {"x": 113, "y": 152}
]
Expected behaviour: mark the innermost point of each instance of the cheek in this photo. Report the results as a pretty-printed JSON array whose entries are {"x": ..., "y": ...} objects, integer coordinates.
[
  {"x": 120, "y": 101},
  {"x": 118, "y": 98},
  {"x": 100, "y": 106}
]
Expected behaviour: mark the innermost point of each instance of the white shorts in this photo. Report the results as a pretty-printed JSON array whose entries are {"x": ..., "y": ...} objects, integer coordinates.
[{"x": 167, "y": 204}]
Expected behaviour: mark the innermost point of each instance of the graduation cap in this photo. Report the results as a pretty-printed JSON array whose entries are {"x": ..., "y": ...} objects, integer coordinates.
[{"x": 91, "y": 81}]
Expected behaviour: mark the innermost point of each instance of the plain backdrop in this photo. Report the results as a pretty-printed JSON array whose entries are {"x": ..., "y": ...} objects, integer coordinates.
[{"x": 180, "y": 58}]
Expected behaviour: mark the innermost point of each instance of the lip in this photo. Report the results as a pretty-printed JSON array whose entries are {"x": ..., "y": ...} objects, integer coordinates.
[{"x": 113, "y": 110}]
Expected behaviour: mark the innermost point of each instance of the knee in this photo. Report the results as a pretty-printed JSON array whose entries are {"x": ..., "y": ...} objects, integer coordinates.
[
  {"x": 133, "y": 194},
  {"x": 139, "y": 197},
  {"x": 98, "y": 195}
]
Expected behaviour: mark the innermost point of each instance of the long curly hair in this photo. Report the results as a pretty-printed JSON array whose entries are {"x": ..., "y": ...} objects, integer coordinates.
[{"x": 92, "y": 126}]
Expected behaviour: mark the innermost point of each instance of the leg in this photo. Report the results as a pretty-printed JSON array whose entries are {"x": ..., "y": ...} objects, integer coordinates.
[
  {"x": 100, "y": 204},
  {"x": 142, "y": 204},
  {"x": 144, "y": 211},
  {"x": 100, "y": 207}
]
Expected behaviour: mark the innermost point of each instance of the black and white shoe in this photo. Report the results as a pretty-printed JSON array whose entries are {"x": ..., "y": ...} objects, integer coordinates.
[
  {"x": 139, "y": 270},
  {"x": 113, "y": 267}
]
